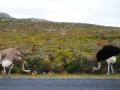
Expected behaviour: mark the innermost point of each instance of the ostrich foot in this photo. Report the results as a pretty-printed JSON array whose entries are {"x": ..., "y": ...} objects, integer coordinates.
[{"x": 107, "y": 74}]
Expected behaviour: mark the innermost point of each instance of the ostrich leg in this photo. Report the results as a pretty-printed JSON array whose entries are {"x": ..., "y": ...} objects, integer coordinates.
[
  {"x": 108, "y": 71},
  {"x": 10, "y": 70},
  {"x": 112, "y": 69},
  {"x": 4, "y": 72}
]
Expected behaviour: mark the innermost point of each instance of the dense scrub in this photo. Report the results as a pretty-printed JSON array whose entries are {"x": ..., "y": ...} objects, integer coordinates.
[{"x": 50, "y": 46}]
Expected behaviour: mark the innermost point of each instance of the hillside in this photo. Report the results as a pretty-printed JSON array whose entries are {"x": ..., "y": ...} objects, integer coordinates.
[
  {"x": 42, "y": 25},
  {"x": 63, "y": 43},
  {"x": 46, "y": 31},
  {"x": 4, "y": 15}
]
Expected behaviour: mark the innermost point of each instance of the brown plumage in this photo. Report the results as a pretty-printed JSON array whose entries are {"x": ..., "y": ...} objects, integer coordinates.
[{"x": 10, "y": 57}]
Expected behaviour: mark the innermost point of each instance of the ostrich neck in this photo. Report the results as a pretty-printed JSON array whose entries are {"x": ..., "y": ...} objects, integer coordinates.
[{"x": 99, "y": 66}]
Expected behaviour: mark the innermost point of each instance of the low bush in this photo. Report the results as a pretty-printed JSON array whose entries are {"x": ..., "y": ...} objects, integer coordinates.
[
  {"x": 47, "y": 65},
  {"x": 35, "y": 63}
]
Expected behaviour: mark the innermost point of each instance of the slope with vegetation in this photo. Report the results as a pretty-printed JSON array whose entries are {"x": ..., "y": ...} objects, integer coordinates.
[{"x": 52, "y": 46}]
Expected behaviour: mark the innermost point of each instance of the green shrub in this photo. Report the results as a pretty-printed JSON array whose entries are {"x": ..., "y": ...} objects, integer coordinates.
[
  {"x": 74, "y": 63},
  {"x": 35, "y": 63},
  {"x": 16, "y": 69},
  {"x": 74, "y": 66},
  {"x": 63, "y": 56},
  {"x": 47, "y": 65},
  {"x": 61, "y": 59},
  {"x": 57, "y": 65}
]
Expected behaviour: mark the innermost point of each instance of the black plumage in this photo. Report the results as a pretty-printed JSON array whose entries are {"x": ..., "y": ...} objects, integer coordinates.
[{"x": 107, "y": 52}]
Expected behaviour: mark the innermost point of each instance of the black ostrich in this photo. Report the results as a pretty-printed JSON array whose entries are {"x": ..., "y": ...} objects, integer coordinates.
[{"x": 107, "y": 53}]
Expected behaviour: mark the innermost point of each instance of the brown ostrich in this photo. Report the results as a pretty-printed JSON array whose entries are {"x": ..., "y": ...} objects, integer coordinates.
[{"x": 10, "y": 57}]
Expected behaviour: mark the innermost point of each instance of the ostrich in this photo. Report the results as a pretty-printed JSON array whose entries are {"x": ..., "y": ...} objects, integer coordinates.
[
  {"x": 10, "y": 57},
  {"x": 107, "y": 53}
]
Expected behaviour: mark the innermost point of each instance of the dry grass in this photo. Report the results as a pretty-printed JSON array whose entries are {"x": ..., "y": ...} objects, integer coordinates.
[{"x": 82, "y": 76}]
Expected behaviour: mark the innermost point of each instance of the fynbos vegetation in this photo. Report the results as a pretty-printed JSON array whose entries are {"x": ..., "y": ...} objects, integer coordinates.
[{"x": 52, "y": 46}]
